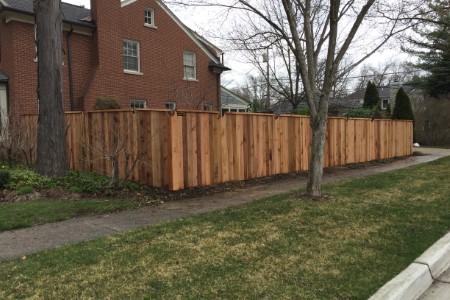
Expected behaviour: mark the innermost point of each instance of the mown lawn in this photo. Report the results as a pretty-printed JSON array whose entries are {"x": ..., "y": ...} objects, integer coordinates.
[{"x": 278, "y": 248}]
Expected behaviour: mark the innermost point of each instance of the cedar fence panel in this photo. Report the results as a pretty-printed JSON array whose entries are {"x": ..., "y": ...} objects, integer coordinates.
[{"x": 177, "y": 150}]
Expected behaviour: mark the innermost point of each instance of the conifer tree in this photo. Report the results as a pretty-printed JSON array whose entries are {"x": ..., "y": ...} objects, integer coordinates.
[
  {"x": 431, "y": 44},
  {"x": 402, "y": 108},
  {"x": 371, "y": 97}
]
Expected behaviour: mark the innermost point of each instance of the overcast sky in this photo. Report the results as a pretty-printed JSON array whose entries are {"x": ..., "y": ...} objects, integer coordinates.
[{"x": 199, "y": 18}]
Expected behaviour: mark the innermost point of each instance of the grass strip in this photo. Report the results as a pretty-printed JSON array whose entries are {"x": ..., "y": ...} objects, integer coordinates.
[
  {"x": 279, "y": 247},
  {"x": 30, "y": 213}
]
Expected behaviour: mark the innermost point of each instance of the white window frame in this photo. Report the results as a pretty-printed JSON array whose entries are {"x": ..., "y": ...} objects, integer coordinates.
[
  {"x": 194, "y": 78},
  {"x": 136, "y": 103},
  {"x": 152, "y": 17},
  {"x": 131, "y": 71},
  {"x": 171, "y": 105}
]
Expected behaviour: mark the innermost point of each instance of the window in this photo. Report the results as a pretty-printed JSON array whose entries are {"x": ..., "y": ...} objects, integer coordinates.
[
  {"x": 131, "y": 56},
  {"x": 171, "y": 105},
  {"x": 189, "y": 66},
  {"x": 384, "y": 104},
  {"x": 208, "y": 107},
  {"x": 149, "y": 18},
  {"x": 134, "y": 103}
]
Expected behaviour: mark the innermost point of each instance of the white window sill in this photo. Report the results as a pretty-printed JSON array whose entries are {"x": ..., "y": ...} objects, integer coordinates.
[
  {"x": 133, "y": 72},
  {"x": 150, "y": 26},
  {"x": 190, "y": 79}
]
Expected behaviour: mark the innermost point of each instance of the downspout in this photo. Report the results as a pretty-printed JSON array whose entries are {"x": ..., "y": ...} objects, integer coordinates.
[
  {"x": 219, "y": 102},
  {"x": 69, "y": 61}
]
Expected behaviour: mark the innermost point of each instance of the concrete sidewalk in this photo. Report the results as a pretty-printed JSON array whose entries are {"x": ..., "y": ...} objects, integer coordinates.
[{"x": 17, "y": 243}]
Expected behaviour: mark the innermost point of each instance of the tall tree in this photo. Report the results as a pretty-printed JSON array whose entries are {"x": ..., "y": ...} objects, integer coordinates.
[
  {"x": 318, "y": 31},
  {"x": 431, "y": 44},
  {"x": 371, "y": 97},
  {"x": 402, "y": 108},
  {"x": 51, "y": 143}
]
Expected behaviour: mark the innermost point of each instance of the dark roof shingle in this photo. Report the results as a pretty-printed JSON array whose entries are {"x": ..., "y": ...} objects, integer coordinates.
[{"x": 71, "y": 13}]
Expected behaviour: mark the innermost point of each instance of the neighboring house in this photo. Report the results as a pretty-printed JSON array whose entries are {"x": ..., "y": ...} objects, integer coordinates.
[
  {"x": 338, "y": 106},
  {"x": 286, "y": 107},
  {"x": 232, "y": 102},
  {"x": 136, "y": 51}
]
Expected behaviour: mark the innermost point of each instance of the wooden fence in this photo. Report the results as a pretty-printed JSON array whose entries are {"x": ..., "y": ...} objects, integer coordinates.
[{"x": 177, "y": 150}]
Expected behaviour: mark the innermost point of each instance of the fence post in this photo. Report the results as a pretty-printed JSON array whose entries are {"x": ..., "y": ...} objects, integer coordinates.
[{"x": 174, "y": 156}]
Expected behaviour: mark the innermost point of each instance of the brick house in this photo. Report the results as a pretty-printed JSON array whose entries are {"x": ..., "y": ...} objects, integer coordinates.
[{"x": 136, "y": 51}]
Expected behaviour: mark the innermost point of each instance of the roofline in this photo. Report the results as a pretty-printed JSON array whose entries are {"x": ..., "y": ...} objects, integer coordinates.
[
  {"x": 204, "y": 40},
  {"x": 234, "y": 95},
  {"x": 6, "y": 8},
  {"x": 187, "y": 31}
]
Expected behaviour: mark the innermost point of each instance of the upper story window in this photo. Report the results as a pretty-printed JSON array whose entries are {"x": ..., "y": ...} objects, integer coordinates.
[
  {"x": 131, "y": 56},
  {"x": 137, "y": 103},
  {"x": 189, "y": 62},
  {"x": 149, "y": 18}
]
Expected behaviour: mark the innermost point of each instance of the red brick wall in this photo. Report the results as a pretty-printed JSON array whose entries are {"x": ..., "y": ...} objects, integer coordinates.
[
  {"x": 18, "y": 54},
  {"x": 22, "y": 78},
  {"x": 161, "y": 61}
]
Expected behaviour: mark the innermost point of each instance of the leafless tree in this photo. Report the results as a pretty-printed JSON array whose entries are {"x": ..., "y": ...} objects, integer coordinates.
[
  {"x": 51, "y": 142},
  {"x": 17, "y": 140},
  {"x": 119, "y": 136},
  {"x": 255, "y": 90},
  {"x": 319, "y": 30},
  {"x": 386, "y": 73}
]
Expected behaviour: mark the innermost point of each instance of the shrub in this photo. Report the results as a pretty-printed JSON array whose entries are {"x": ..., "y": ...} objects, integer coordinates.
[
  {"x": 24, "y": 177},
  {"x": 370, "y": 113},
  {"x": 106, "y": 103},
  {"x": 402, "y": 108},
  {"x": 25, "y": 190},
  {"x": 87, "y": 183},
  {"x": 5, "y": 177},
  {"x": 304, "y": 111},
  {"x": 371, "y": 97}
]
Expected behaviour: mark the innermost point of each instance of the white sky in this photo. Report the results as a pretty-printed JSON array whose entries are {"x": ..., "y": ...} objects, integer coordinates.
[{"x": 200, "y": 18}]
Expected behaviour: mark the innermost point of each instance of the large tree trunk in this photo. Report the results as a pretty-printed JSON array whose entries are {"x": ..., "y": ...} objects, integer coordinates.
[
  {"x": 318, "y": 128},
  {"x": 51, "y": 143}
]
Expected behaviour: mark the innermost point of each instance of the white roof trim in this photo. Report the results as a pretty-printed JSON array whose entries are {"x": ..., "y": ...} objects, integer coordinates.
[
  {"x": 186, "y": 30},
  {"x": 125, "y": 2},
  {"x": 3, "y": 3},
  {"x": 225, "y": 90},
  {"x": 218, "y": 51}
]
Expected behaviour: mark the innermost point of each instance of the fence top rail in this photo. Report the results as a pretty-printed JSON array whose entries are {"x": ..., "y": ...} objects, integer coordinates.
[{"x": 173, "y": 112}]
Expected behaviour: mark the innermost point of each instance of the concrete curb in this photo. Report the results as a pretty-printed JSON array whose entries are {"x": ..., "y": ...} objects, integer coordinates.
[{"x": 412, "y": 282}]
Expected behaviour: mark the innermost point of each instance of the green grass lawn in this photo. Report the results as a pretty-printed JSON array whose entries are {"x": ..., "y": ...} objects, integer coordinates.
[
  {"x": 278, "y": 248},
  {"x": 29, "y": 213}
]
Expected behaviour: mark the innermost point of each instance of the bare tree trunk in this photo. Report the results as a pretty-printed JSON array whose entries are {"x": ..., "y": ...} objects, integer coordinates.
[
  {"x": 318, "y": 126},
  {"x": 51, "y": 144}
]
